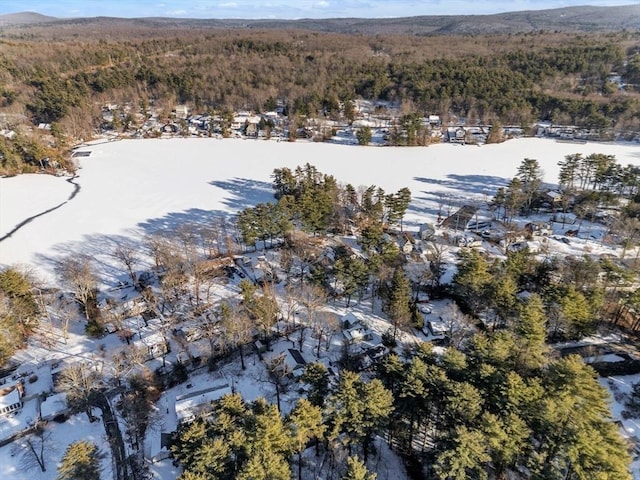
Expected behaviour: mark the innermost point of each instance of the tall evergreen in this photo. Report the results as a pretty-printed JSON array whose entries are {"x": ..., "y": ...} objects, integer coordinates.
[
  {"x": 472, "y": 279},
  {"x": 305, "y": 423},
  {"x": 357, "y": 470},
  {"x": 466, "y": 456},
  {"x": 358, "y": 410},
  {"x": 399, "y": 301},
  {"x": 81, "y": 461},
  {"x": 531, "y": 334},
  {"x": 530, "y": 174}
]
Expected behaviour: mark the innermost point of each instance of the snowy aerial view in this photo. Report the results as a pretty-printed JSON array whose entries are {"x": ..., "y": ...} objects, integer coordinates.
[
  {"x": 138, "y": 187},
  {"x": 124, "y": 192},
  {"x": 244, "y": 241}
]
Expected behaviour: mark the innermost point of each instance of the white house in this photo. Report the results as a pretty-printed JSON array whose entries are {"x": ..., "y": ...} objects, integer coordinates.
[
  {"x": 357, "y": 334},
  {"x": 182, "y": 111},
  {"x": 10, "y": 400},
  {"x": 190, "y": 405}
]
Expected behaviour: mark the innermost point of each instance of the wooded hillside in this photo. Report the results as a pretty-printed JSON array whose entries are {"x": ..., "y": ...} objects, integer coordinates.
[{"x": 65, "y": 73}]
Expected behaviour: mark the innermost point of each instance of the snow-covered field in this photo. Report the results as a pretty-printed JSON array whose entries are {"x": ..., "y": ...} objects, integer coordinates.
[{"x": 134, "y": 187}]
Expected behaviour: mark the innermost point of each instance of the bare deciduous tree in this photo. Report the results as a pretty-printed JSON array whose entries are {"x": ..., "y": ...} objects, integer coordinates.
[
  {"x": 311, "y": 297},
  {"x": 236, "y": 329},
  {"x": 76, "y": 272},
  {"x": 64, "y": 311},
  {"x": 81, "y": 382},
  {"x": 325, "y": 325},
  {"x": 31, "y": 449},
  {"x": 128, "y": 255}
]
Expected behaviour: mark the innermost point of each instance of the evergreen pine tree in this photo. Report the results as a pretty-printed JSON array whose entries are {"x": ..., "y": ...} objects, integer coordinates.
[
  {"x": 399, "y": 299},
  {"x": 531, "y": 334},
  {"x": 268, "y": 446},
  {"x": 316, "y": 376},
  {"x": 81, "y": 461},
  {"x": 465, "y": 458},
  {"x": 356, "y": 470},
  {"x": 472, "y": 279},
  {"x": 305, "y": 422},
  {"x": 530, "y": 174},
  {"x": 577, "y": 313}
]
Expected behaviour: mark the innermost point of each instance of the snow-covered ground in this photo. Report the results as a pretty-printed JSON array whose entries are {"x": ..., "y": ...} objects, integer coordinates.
[
  {"x": 620, "y": 389},
  {"x": 57, "y": 438},
  {"x": 134, "y": 187}
]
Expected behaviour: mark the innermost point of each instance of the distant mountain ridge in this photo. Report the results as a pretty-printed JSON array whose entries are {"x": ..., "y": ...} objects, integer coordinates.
[
  {"x": 25, "y": 18},
  {"x": 568, "y": 19}
]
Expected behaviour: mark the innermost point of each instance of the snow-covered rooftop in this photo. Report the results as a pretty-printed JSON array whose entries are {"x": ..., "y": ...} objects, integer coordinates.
[{"x": 190, "y": 404}]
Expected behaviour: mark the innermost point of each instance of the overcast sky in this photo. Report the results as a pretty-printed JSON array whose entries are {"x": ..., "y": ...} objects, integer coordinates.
[{"x": 283, "y": 8}]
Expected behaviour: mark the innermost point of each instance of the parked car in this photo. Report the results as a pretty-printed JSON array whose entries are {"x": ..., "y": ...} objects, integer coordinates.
[{"x": 426, "y": 309}]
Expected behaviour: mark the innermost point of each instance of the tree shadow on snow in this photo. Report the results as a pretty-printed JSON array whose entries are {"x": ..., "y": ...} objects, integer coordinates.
[
  {"x": 469, "y": 184},
  {"x": 453, "y": 192},
  {"x": 244, "y": 192},
  {"x": 172, "y": 220},
  {"x": 99, "y": 249}
]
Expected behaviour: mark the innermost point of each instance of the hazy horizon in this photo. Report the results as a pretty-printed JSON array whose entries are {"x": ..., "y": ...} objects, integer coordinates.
[{"x": 286, "y": 9}]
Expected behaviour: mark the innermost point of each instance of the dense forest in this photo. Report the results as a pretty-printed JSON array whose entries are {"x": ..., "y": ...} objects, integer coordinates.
[{"x": 65, "y": 76}]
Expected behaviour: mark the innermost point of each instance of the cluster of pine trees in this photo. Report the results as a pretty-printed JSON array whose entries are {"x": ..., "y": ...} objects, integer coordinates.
[
  {"x": 253, "y": 441},
  {"x": 19, "y": 310},
  {"x": 600, "y": 173},
  {"x": 501, "y": 407},
  {"x": 497, "y": 407},
  {"x": 314, "y": 202}
]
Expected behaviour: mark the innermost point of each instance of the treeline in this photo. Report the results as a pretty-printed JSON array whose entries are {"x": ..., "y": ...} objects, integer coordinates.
[
  {"x": 29, "y": 153},
  {"x": 516, "y": 87},
  {"x": 510, "y": 78}
]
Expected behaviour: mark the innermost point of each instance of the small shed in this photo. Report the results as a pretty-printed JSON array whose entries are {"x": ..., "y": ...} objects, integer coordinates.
[
  {"x": 53, "y": 406},
  {"x": 438, "y": 329},
  {"x": 426, "y": 231}
]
